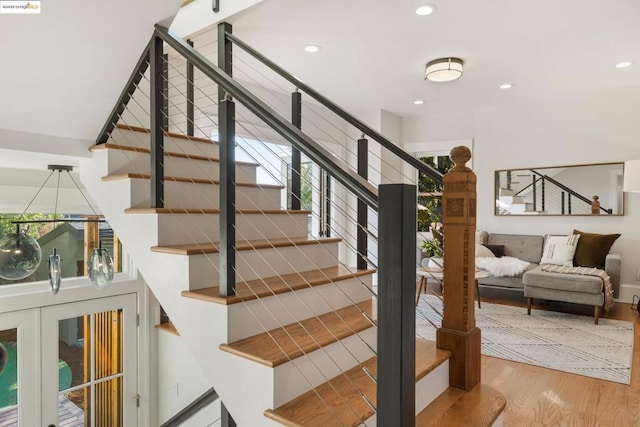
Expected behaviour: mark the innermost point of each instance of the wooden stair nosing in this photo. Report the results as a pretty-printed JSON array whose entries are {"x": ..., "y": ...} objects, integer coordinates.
[
  {"x": 207, "y": 211},
  {"x": 479, "y": 407},
  {"x": 280, "y": 345},
  {"x": 113, "y": 146},
  {"x": 210, "y": 248},
  {"x": 120, "y": 176},
  {"x": 171, "y": 134},
  {"x": 339, "y": 401},
  {"x": 168, "y": 327},
  {"x": 260, "y": 288}
]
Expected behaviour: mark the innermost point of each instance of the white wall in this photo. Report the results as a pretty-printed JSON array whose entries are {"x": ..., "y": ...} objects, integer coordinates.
[{"x": 600, "y": 128}]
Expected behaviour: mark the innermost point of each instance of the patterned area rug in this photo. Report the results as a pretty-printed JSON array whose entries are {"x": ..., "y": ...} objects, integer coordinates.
[{"x": 565, "y": 342}]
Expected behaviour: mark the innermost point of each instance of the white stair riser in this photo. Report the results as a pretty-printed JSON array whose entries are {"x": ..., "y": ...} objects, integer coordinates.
[
  {"x": 427, "y": 389},
  {"x": 283, "y": 309},
  {"x": 201, "y": 271},
  {"x": 122, "y": 161},
  {"x": 181, "y": 228},
  {"x": 304, "y": 373},
  {"x": 192, "y": 195},
  {"x": 178, "y": 145}
]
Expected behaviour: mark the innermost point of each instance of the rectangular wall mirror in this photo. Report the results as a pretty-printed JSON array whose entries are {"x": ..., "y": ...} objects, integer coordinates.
[{"x": 594, "y": 189}]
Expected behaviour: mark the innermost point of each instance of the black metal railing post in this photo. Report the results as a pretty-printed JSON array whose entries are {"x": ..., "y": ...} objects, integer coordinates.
[
  {"x": 227, "y": 136},
  {"x": 535, "y": 194},
  {"x": 165, "y": 92},
  {"x": 296, "y": 161},
  {"x": 363, "y": 221},
  {"x": 543, "y": 195},
  {"x": 226, "y": 420},
  {"x": 569, "y": 203},
  {"x": 190, "y": 96},
  {"x": 562, "y": 202},
  {"x": 157, "y": 123},
  {"x": 396, "y": 306}
]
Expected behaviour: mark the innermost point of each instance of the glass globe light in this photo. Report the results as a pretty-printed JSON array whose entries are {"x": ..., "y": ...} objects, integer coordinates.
[
  {"x": 101, "y": 268},
  {"x": 20, "y": 256},
  {"x": 55, "y": 272}
]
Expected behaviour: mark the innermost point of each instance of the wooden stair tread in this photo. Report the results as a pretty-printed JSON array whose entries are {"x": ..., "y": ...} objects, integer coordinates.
[
  {"x": 112, "y": 146},
  {"x": 168, "y": 327},
  {"x": 209, "y": 248},
  {"x": 278, "y": 346},
  {"x": 260, "y": 288},
  {"x": 191, "y": 211},
  {"x": 171, "y": 134},
  {"x": 479, "y": 407},
  {"x": 120, "y": 176},
  {"x": 339, "y": 401}
]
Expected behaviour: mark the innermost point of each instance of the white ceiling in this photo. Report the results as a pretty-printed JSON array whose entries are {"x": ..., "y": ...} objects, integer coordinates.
[{"x": 374, "y": 52}]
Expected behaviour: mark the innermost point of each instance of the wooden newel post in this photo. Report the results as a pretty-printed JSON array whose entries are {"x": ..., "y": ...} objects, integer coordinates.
[{"x": 458, "y": 333}]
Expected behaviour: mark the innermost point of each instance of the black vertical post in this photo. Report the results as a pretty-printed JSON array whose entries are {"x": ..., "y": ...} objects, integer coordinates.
[
  {"x": 363, "y": 221},
  {"x": 569, "y": 203},
  {"x": 227, "y": 136},
  {"x": 157, "y": 124},
  {"x": 296, "y": 120},
  {"x": 225, "y": 53},
  {"x": 190, "y": 95},
  {"x": 544, "y": 196},
  {"x": 165, "y": 91},
  {"x": 226, "y": 419},
  {"x": 562, "y": 202},
  {"x": 327, "y": 205},
  {"x": 396, "y": 306},
  {"x": 535, "y": 196}
]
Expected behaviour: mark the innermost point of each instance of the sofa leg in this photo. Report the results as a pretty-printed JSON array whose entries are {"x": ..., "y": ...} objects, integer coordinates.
[
  {"x": 529, "y": 299},
  {"x": 596, "y": 314}
]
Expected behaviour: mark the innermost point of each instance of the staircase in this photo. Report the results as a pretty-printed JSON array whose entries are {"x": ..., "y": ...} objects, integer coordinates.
[{"x": 296, "y": 344}]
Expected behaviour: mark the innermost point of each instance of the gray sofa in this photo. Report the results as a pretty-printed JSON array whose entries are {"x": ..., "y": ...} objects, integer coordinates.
[{"x": 536, "y": 283}]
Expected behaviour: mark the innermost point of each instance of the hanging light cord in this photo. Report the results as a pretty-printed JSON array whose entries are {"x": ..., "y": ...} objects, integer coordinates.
[
  {"x": 85, "y": 197},
  {"x": 38, "y": 192},
  {"x": 55, "y": 209}
]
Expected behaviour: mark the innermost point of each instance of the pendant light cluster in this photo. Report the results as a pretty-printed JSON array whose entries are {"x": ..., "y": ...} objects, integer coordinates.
[{"x": 20, "y": 255}]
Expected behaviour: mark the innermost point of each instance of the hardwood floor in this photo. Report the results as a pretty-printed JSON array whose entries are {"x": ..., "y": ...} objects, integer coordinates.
[{"x": 544, "y": 397}]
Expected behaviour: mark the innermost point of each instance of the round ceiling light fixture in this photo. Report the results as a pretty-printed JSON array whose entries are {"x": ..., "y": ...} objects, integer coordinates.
[
  {"x": 312, "y": 48},
  {"x": 444, "y": 69},
  {"x": 506, "y": 86},
  {"x": 418, "y": 102},
  {"x": 624, "y": 64},
  {"x": 425, "y": 10}
]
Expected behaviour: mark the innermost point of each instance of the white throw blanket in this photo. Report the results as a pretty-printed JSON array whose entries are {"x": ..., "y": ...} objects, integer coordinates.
[
  {"x": 587, "y": 271},
  {"x": 500, "y": 267}
]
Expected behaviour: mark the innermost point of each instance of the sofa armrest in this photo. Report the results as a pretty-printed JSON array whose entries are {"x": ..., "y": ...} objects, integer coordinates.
[{"x": 613, "y": 265}]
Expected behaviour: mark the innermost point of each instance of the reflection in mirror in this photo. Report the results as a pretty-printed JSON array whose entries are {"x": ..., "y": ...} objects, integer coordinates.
[{"x": 594, "y": 189}]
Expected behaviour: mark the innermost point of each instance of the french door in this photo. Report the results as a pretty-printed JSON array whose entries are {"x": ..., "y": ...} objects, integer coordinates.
[{"x": 70, "y": 365}]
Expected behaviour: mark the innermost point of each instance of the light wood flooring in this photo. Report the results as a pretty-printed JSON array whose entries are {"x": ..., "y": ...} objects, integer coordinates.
[{"x": 544, "y": 397}]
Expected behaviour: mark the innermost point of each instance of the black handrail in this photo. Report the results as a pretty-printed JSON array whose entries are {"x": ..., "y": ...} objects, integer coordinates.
[
  {"x": 125, "y": 95},
  {"x": 293, "y": 135},
  {"x": 565, "y": 188},
  {"x": 207, "y": 398},
  {"x": 416, "y": 163}
]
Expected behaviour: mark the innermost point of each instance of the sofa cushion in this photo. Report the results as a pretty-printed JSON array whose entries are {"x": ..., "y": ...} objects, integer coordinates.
[
  {"x": 483, "y": 251},
  {"x": 525, "y": 247},
  {"x": 559, "y": 250},
  {"x": 505, "y": 282},
  {"x": 593, "y": 248},
  {"x": 561, "y": 281}
]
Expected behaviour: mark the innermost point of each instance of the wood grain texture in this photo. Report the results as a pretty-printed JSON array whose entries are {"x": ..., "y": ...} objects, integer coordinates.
[
  {"x": 544, "y": 397},
  {"x": 167, "y": 327},
  {"x": 479, "y": 407},
  {"x": 278, "y": 346},
  {"x": 339, "y": 401},
  {"x": 209, "y": 248},
  {"x": 120, "y": 176},
  {"x": 171, "y": 134},
  {"x": 260, "y": 288}
]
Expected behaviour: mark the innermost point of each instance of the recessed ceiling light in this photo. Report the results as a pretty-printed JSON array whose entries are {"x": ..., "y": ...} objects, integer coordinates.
[
  {"x": 418, "y": 102},
  {"x": 624, "y": 64},
  {"x": 425, "y": 10},
  {"x": 311, "y": 48},
  {"x": 506, "y": 86}
]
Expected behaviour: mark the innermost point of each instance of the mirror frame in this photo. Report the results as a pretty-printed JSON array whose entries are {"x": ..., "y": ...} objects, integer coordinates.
[{"x": 497, "y": 188}]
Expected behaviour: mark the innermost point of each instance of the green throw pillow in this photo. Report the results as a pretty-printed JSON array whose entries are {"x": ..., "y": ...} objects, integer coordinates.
[{"x": 593, "y": 249}]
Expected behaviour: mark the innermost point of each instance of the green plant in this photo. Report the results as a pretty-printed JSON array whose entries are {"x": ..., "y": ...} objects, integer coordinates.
[{"x": 432, "y": 248}]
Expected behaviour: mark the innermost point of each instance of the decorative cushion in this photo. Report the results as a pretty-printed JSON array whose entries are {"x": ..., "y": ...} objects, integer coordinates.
[
  {"x": 560, "y": 250},
  {"x": 483, "y": 251},
  {"x": 593, "y": 248},
  {"x": 497, "y": 250}
]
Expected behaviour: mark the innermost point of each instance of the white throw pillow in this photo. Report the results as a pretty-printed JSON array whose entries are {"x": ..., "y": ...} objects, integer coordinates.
[
  {"x": 559, "y": 250},
  {"x": 483, "y": 251}
]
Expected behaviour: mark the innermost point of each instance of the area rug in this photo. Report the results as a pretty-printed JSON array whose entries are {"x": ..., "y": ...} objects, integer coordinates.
[{"x": 560, "y": 341}]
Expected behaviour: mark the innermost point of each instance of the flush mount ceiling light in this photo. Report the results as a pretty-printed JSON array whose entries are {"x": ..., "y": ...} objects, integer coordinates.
[
  {"x": 418, "y": 102},
  {"x": 312, "y": 48},
  {"x": 506, "y": 86},
  {"x": 425, "y": 10},
  {"x": 444, "y": 70},
  {"x": 624, "y": 64}
]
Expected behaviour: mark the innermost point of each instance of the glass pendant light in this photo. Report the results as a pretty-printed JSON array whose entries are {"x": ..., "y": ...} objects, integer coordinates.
[
  {"x": 55, "y": 272},
  {"x": 20, "y": 256},
  {"x": 100, "y": 268}
]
